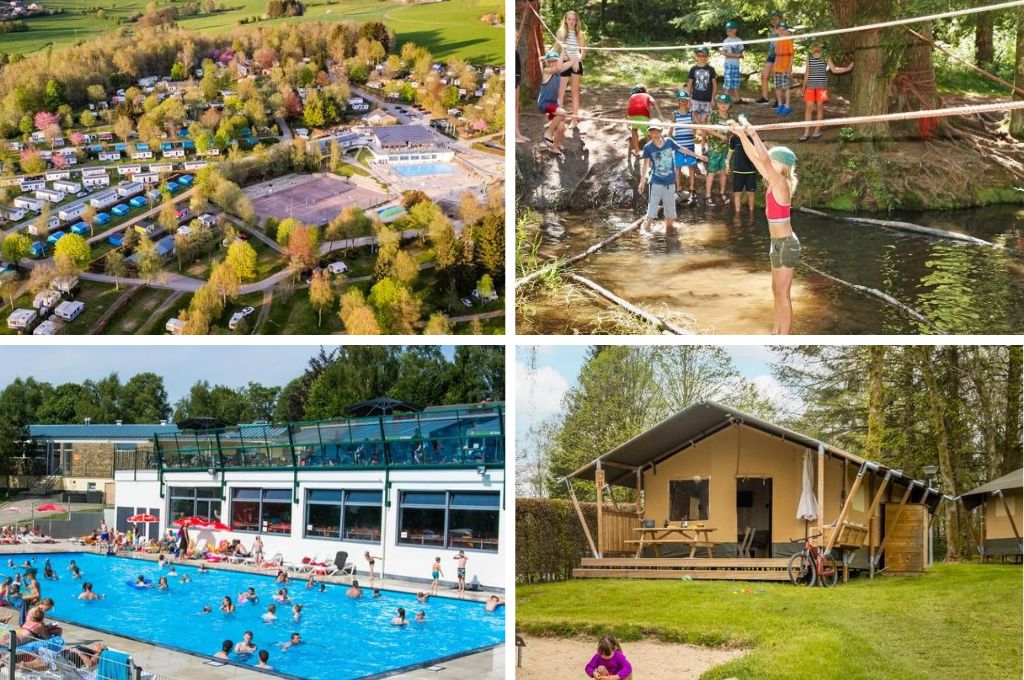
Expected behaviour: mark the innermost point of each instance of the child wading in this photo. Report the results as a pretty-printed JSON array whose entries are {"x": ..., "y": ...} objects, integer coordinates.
[
  {"x": 733, "y": 51},
  {"x": 702, "y": 85},
  {"x": 547, "y": 100},
  {"x": 609, "y": 662},
  {"x": 717, "y": 150},
  {"x": 638, "y": 108},
  {"x": 816, "y": 87},
  {"x": 783, "y": 70},
  {"x": 658, "y": 176},
  {"x": 744, "y": 174},
  {"x": 778, "y": 167},
  {"x": 686, "y": 157}
]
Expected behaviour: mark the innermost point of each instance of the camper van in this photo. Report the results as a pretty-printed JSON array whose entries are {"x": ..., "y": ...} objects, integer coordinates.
[
  {"x": 175, "y": 326},
  {"x": 69, "y": 310},
  {"x": 21, "y": 320}
]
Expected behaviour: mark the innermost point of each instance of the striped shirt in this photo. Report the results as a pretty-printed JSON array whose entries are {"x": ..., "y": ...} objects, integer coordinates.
[
  {"x": 817, "y": 73},
  {"x": 683, "y": 135},
  {"x": 572, "y": 45}
]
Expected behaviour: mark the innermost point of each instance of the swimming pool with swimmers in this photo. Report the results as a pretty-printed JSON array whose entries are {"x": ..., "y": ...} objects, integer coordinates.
[
  {"x": 423, "y": 169},
  {"x": 342, "y": 638}
]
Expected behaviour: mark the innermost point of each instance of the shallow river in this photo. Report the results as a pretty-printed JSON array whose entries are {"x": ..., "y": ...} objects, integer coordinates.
[{"x": 712, "y": 269}]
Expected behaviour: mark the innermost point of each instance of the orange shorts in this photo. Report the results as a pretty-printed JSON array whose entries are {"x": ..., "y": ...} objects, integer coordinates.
[{"x": 816, "y": 94}]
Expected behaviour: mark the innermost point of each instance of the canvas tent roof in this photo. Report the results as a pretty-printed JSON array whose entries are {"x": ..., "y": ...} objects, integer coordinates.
[
  {"x": 975, "y": 497},
  {"x": 689, "y": 426}
]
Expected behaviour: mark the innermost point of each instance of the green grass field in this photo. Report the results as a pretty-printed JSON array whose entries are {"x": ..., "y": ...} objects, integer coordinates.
[
  {"x": 957, "y": 621},
  {"x": 448, "y": 29}
]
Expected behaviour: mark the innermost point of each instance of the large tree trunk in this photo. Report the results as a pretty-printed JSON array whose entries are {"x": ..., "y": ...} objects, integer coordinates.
[
  {"x": 876, "y": 402},
  {"x": 915, "y": 82},
  {"x": 869, "y": 89},
  {"x": 1012, "y": 419},
  {"x": 1017, "y": 116},
  {"x": 984, "y": 52},
  {"x": 938, "y": 421},
  {"x": 530, "y": 44}
]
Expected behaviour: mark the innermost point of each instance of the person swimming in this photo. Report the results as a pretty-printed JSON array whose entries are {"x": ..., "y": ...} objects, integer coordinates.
[
  {"x": 297, "y": 612},
  {"x": 141, "y": 582},
  {"x": 270, "y": 615},
  {"x": 207, "y": 609},
  {"x": 245, "y": 646},
  {"x": 227, "y": 605},
  {"x": 202, "y": 568},
  {"x": 399, "y": 619},
  {"x": 161, "y": 562},
  {"x": 354, "y": 591},
  {"x": 493, "y": 602},
  {"x": 75, "y": 572},
  {"x": 249, "y": 596},
  {"x": 282, "y": 596},
  {"x": 295, "y": 641},
  {"x": 88, "y": 593},
  {"x": 264, "y": 657},
  {"x": 323, "y": 587},
  {"x": 185, "y": 578},
  {"x": 281, "y": 577},
  {"x": 422, "y": 597},
  {"x": 162, "y": 584},
  {"x": 421, "y": 616},
  {"x": 310, "y": 582},
  {"x": 225, "y": 649},
  {"x": 172, "y": 571},
  {"x": 48, "y": 572},
  {"x": 376, "y": 592},
  {"x": 72, "y": 565}
]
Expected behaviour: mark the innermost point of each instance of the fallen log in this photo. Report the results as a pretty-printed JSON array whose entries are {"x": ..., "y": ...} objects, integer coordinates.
[
  {"x": 576, "y": 258},
  {"x": 650, "y": 318},
  {"x": 904, "y": 226}
]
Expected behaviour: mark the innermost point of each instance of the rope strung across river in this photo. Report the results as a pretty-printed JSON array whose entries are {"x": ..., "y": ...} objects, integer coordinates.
[
  {"x": 995, "y": 107},
  {"x": 804, "y": 36}
]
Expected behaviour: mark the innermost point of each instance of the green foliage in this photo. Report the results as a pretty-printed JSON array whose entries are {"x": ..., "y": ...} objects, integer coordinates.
[
  {"x": 233, "y": 405},
  {"x": 16, "y": 246},
  {"x": 241, "y": 258},
  {"x": 178, "y": 71},
  {"x": 549, "y": 539},
  {"x": 74, "y": 247}
]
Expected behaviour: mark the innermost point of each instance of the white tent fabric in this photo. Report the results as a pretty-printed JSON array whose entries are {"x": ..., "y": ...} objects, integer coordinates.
[{"x": 807, "y": 508}]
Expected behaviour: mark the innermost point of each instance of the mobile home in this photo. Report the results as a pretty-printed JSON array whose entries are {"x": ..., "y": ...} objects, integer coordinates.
[
  {"x": 96, "y": 181},
  {"x": 104, "y": 199},
  {"x": 26, "y": 203},
  {"x": 67, "y": 186},
  {"x": 129, "y": 188},
  {"x": 110, "y": 155},
  {"x": 21, "y": 320},
  {"x": 50, "y": 195},
  {"x": 53, "y": 175},
  {"x": 32, "y": 184},
  {"x": 71, "y": 211}
]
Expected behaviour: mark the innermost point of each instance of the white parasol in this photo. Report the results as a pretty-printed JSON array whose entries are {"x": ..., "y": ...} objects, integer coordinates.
[{"x": 807, "y": 508}]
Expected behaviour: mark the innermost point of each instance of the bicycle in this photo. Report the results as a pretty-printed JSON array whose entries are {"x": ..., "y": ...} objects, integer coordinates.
[{"x": 811, "y": 567}]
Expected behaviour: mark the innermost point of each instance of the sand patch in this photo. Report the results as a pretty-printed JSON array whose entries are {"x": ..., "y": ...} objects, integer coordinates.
[{"x": 560, "y": 658}]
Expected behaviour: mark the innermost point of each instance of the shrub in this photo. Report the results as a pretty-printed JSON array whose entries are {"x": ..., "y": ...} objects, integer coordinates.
[{"x": 549, "y": 539}]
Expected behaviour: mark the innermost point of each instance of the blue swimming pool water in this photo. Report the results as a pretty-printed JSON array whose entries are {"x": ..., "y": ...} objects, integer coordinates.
[
  {"x": 424, "y": 169},
  {"x": 343, "y": 638}
]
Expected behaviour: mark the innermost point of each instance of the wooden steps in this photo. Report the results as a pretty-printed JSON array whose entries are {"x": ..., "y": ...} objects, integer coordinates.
[
  {"x": 708, "y": 568},
  {"x": 696, "y": 574}
]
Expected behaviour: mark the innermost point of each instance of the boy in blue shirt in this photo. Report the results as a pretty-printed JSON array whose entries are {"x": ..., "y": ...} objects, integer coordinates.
[{"x": 658, "y": 175}]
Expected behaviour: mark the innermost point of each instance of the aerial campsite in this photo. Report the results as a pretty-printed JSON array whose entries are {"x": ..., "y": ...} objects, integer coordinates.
[{"x": 824, "y": 167}]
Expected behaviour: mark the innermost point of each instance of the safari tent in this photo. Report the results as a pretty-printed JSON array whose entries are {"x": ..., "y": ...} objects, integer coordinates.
[
  {"x": 722, "y": 494},
  {"x": 1002, "y": 514}
]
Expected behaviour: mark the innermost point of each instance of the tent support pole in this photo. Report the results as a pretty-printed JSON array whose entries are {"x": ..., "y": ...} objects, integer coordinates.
[
  {"x": 599, "y": 497},
  {"x": 871, "y": 522},
  {"x": 639, "y": 493},
  {"x": 846, "y": 508},
  {"x": 899, "y": 511},
  {"x": 579, "y": 514},
  {"x": 821, "y": 492},
  {"x": 970, "y": 527},
  {"x": 1009, "y": 515}
]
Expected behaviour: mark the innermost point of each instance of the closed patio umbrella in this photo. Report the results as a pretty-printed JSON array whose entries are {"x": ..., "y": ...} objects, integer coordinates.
[
  {"x": 807, "y": 508},
  {"x": 143, "y": 519}
]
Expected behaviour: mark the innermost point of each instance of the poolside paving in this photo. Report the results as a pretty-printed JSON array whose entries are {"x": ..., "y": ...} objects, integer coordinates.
[{"x": 488, "y": 665}]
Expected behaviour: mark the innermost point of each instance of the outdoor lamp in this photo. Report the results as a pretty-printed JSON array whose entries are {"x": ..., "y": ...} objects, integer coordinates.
[
  {"x": 930, "y": 470},
  {"x": 481, "y": 470}
]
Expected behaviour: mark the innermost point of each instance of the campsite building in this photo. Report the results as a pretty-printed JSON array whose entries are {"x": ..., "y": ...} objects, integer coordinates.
[
  {"x": 406, "y": 484},
  {"x": 408, "y": 144},
  {"x": 722, "y": 494},
  {"x": 1003, "y": 513}
]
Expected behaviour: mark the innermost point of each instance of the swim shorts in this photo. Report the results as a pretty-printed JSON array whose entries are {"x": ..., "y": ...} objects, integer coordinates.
[
  {"x": 435, "y": 574},
  {"x": 462, "y": 572},
  {"x": 716, "y": 161},
  {"x": 744, "y": 181},
  {"x": 785, "y": 252},
  {"x": 816, "y": 94},
  {"x": 549, "y": 108},
  {"x": 642, "y": 129},
  {"x": 685, "y": 160}
]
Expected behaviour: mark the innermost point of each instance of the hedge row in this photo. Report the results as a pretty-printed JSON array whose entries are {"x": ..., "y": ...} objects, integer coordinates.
[{"x": 549, "y": 539}]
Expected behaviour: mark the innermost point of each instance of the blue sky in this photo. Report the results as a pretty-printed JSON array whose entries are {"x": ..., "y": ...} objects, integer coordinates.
[
  {"x": 539, "y": 393},
  {"x": 179, "y": 366}
]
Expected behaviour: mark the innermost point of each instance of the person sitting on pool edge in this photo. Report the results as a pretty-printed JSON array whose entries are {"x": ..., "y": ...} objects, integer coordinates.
[
  {"x": 296, "y": 640},
  {"x": 245, "y": 646},
  {"x": 354, "y": 591},
  {"x": 225, "y": 649}
]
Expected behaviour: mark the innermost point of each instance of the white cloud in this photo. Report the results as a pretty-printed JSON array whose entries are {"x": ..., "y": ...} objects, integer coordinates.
[
  {"x": 777, "y": 393},
  {"x": 539, "y": 393}
]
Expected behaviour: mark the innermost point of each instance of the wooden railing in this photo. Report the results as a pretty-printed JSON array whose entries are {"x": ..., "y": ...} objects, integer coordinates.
[{"x": 616, "y": 528}]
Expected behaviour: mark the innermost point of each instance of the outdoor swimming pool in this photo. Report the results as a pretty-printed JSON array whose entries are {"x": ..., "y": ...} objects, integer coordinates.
[
  {"x": 343, "y": 638},
  {"x": 423, "y": 169}
]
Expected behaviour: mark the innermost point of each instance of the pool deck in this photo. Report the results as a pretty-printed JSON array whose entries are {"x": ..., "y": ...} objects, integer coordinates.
[{"x": 488, "y": 665}]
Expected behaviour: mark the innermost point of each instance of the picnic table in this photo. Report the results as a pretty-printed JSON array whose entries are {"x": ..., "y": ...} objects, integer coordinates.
[{"x": 655, "y": 537}]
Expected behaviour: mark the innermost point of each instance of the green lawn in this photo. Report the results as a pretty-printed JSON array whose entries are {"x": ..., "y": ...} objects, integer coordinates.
[
  {"x": 158, "y": 328},
  {"x": 134, "y": 315},
  {"x": 449, "y": 29},
  {"x": 957, "y": 621}
]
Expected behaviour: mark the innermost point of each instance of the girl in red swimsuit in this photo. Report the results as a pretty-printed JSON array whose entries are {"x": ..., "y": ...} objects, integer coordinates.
[{"x": 778, "y": 167}]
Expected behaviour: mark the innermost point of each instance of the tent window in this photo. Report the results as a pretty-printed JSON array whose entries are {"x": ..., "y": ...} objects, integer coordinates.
[
  {"x": 688, "y": 499},
  {"x": 1011, "y": 502}
]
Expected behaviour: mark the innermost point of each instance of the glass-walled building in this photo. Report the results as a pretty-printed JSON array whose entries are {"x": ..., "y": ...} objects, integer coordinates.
[{"x": 406, "y": 487}]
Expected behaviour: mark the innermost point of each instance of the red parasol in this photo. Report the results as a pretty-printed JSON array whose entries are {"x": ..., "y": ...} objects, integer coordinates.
[
  {"x": 190, "y": 522},
  {"x": 51, "y": 507},
  {"x": 143, "y": 519},
  {"x": 214, "y": 525}
]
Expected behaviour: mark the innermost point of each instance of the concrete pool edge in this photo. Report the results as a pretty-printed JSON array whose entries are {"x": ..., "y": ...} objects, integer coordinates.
[{"x": 200, "y": 658}]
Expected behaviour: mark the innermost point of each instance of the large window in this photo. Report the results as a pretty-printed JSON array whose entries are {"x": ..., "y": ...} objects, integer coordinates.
[
  {"x": 352, "y": 515},
  {"x": 192, "y": 502},
  {"x": 454, "y": 520},
  {"x": 688, "y": 499},
  {"x": 262, "y": 510}
]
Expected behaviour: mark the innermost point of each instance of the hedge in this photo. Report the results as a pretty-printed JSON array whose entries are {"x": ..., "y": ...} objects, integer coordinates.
[{"x": 549, "y": 539}]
